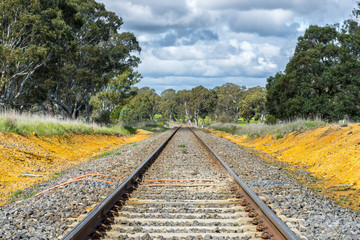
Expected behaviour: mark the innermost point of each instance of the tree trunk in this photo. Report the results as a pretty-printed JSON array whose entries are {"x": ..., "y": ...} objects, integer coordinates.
[
  {"x": 87, "y": 106},
  {"x": 196, "y": 122},
  {"x": 236, "y": 119}
]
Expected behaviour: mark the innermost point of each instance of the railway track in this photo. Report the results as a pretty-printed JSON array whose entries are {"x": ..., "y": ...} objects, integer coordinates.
[{"x": 183, "y": 190}]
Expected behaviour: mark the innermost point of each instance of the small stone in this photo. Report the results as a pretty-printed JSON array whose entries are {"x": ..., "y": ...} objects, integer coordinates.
[{"x": 146, "y": 237}]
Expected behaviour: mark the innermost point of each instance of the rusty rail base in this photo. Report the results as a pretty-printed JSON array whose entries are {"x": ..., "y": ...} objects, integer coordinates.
[
  {"x": 272, "y": 226},
  {"x": 95, "y": 218}
]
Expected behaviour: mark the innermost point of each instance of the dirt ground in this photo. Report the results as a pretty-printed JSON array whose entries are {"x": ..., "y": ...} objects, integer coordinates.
[
  {"x": 28, "y": 160},
  {"x": 331, "y": 154}
]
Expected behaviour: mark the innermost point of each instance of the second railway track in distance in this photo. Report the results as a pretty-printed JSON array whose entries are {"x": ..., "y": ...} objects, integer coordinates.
[{"x": 186, "y": 192}]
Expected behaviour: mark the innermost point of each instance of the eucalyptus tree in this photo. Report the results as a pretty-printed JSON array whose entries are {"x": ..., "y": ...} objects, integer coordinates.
[
  {"x": 202, "y": 103},
  {"x": 253, "y": 104},
  {"x": 168, "y": 104},
  {"x": 228, "y": 98},
  {"x": 114, "y": 95},
  {"x": 320, "y": 80},
  {"x": 99, "y": 52},
  {"x": 144, "y": 105},
  {"x": 182, "y": 99},
  {"x": 28, "y": 32}
]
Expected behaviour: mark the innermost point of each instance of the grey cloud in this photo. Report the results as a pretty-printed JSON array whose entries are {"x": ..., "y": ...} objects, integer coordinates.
[
  {"x": 161, "y": 7},
  {"x": 169, "y": 39},
  {"x": 187, "y": 37},
  {"x": 210, "y": 42},
  {"x": 300, "y": 6},
  {"x": 243, "y": 4},
  {"x": 263, "y": 22}
]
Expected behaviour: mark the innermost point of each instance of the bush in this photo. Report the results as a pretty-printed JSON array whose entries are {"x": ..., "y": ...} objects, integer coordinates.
[
  {"x": 115, "y": 114},
  {"x": 227, "y": 127},
  {"x": 102, "y": 118},
  {"x": 126, "y": 115},
  {"x": 270, "y": 120}
]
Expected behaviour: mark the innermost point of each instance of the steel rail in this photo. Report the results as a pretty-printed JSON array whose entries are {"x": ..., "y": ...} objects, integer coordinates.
[
  {"x": 89, "y": 224},
  {"x": 275, "y": 227}
]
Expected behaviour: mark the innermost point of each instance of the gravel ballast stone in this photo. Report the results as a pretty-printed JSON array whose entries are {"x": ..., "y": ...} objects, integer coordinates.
[
  {"x": 317, "y": 217},
  {"x": 47, "y": 216}
]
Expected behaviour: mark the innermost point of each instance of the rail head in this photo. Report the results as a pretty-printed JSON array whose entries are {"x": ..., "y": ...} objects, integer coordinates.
[
  {"x": 282, "y": 231},
  {"x": 89, "y": 224}
]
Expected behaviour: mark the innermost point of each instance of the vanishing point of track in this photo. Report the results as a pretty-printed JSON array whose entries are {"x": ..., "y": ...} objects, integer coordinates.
[{"x": 182, "y": 191}]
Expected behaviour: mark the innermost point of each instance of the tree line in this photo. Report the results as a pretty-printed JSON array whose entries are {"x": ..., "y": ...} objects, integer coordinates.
[{"x": 226, "y": 103}]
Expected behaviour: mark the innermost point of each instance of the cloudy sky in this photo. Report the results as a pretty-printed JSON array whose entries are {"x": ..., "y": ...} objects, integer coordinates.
[{"x": 186, "y": 43}]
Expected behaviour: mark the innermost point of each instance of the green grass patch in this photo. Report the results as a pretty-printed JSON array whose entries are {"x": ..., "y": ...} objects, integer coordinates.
[
  {"x": 109, "y": 153},
  {"x": 56, "y": 175},
  {"x": 182, "y": 146},
  {"x": 23, "y": 194}
]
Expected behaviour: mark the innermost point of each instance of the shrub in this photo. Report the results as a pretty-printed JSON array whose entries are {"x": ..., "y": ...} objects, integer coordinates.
[{"x": 270, "y": 120}]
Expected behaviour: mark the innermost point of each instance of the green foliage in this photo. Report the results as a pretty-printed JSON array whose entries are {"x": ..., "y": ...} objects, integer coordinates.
[
  {"x": 102, "y": 117},
  {"x": 227, "y": 104},
  {"x": 322, "y": 77},
  {"x": 110, "y": 100},
  {"x": 58, "y": 55},
  {"x": 270, "y": 120},
  {"x": 126, "y": 115},
  {"x": 228, "y": 128},
  {"x": 168, "y": 105},
  {"x": 202, "y": 102},
  {"x": 29, "y": 31},
  {"x": 253, "y": 104},
  {"x": 115, "y": 114},
  {"x": 182, "y": 146},
  {"x": 144, "y": 105}
]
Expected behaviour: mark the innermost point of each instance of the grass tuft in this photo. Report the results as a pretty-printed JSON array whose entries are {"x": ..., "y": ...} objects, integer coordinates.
[
  {"x": 114, "y": 152},
  {"x": 27, "y": 124},
  {"x": 261, "y": 130}
]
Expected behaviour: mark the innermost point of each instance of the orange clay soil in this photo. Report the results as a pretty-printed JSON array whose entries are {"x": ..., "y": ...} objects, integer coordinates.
[
  {"x": 44, "y": 156},
  {"x": 331, "y": 154}
]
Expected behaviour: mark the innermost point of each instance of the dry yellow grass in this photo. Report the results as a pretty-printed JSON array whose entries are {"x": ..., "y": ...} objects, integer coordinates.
[
  {"x": 330, "y": 153},
  {"x": 32, "y": 154}
]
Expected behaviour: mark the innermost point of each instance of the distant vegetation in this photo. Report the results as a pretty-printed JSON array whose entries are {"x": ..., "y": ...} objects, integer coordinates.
[
  {"x": 261, "y": 130},
  {"x": 197, "y": 106}
]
